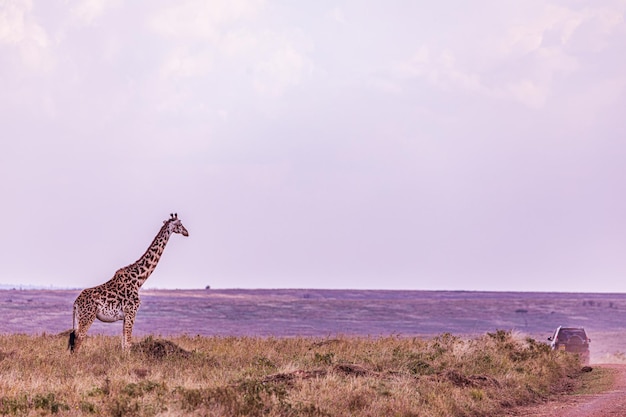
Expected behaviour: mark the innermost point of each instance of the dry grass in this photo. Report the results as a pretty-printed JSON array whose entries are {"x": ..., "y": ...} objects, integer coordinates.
[
  {"x": 246, "y": 376},
  {"x": 596, "y": 382}
]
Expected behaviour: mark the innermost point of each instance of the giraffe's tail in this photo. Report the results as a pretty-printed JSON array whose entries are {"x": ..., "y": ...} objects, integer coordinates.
[{"x": 72, "y": 342}]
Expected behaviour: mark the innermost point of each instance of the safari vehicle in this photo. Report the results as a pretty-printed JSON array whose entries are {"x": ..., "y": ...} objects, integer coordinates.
[{"x": 571, "y": 339}]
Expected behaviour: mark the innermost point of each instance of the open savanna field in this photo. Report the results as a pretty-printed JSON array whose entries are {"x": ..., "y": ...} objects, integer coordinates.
[
  {"x": 301, "y": 352},
  {"x": 294, "y": 376}
]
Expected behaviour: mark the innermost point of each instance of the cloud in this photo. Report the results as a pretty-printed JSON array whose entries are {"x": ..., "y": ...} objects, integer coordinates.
[
  {"x": 12, "y": 20},
  {"x": 528, "y": 36},
  {"x": 559, "y": 25},
  {"x": 211, "y": 36},
  {"x": 283, "y": 68},
  {"x": 337, "y": 15},
  {"x": 20, "y": 30},
  {"x": 15, "y": 22},
  {"x": 438, "y": 68},
  {"x": 183, "y": 63},
  {"x": 527, "y": 92},
  {"x": 87, "y": 11},
  {"x": 529, "y": 55},
  {"x": 199, "y": 19},
  {"x": 441, "y": 70},
  {"x": 556, "y": 43}
]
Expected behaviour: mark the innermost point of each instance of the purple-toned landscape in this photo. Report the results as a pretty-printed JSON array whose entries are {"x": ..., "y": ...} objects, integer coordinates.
[{"x": 321, "y": 313}]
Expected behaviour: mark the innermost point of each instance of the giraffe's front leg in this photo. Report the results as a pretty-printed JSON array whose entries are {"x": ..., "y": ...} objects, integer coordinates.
[{"x": 127, "y": 331}]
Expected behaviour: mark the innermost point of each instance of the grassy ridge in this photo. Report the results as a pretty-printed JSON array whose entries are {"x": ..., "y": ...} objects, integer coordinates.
[{"x": 245, "y": 376}]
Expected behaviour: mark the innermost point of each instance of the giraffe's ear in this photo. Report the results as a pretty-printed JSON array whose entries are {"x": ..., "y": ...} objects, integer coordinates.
[{"x": 164, "y": 221}]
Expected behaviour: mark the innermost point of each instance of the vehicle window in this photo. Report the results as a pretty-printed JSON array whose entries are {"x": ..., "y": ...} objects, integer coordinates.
[{"x": 566, "y": 334}]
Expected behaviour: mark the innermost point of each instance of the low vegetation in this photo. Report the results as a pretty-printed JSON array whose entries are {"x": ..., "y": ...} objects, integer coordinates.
[{"x": 248, "y": 376}]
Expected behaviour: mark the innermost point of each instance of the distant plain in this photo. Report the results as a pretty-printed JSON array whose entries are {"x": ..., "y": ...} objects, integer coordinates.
[{"x": 319, "y": 313}]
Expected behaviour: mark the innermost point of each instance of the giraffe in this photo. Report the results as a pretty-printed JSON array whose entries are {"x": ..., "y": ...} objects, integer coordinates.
[{"x": 118, "y": 298}]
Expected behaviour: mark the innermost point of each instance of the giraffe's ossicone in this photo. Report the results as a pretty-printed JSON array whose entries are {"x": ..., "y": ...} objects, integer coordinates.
[{"x": 118, "y": 298}]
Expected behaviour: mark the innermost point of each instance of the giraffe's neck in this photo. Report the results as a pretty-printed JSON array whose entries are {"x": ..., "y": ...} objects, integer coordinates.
[{"x": 148, "y": 262}]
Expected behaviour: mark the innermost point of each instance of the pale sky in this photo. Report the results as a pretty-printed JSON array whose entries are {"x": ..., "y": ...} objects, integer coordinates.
[{"x": 460, "y": 145}]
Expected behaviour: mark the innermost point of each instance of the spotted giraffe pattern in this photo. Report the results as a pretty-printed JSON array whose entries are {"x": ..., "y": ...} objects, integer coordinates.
[{"x": 118, "y": 298}]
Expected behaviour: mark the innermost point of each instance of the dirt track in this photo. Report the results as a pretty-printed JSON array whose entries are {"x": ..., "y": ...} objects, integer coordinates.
[{"x": 608, "y": 403}]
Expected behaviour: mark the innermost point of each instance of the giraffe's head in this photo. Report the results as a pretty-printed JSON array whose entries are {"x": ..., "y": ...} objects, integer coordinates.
[{"x": 175, "y": 225}]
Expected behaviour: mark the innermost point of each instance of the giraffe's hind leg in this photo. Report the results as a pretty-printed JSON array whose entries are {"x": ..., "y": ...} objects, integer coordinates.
[{"x": 85, "y": 320}]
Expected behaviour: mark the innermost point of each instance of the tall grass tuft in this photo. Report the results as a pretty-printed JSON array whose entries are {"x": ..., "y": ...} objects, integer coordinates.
[{"x": 247, "y": 376}]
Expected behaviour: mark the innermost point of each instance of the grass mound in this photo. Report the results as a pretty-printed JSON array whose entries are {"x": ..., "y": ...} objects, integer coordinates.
[{"x": 159, "y": 348}]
